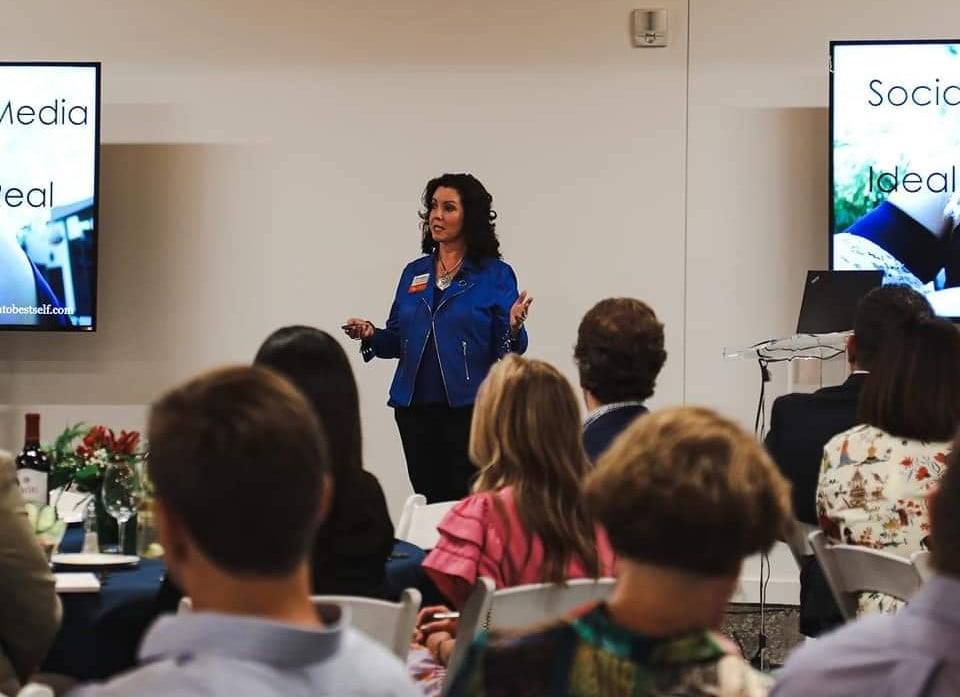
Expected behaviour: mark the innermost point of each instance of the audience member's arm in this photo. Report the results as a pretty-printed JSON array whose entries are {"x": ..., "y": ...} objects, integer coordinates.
[{"x": 30, "y": 609}]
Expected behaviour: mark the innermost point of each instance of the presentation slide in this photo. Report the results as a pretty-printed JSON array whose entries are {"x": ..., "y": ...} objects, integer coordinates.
[{"x": 49, "y": 140}]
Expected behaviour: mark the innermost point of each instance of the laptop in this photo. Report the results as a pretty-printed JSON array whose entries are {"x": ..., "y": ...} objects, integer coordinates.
[{"x": 830, "y": 299}]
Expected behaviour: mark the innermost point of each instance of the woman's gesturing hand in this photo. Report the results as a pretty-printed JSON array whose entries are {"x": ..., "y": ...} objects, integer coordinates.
[
  {"x": 518, "y": 313},
  {"x": 357, "y": 328}
]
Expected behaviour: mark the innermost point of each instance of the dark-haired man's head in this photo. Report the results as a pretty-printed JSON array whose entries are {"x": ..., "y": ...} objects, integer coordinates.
[
  {"x": 881, "y": 311},
  {"x": 619, "y": 351},
  {"x": 239, "y": 464}
]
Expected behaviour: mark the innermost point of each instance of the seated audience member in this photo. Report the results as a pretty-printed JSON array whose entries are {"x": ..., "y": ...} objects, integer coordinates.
[
  {"x": 619, "y": 354},
  {"x": 355, "y": 540},
  {"x": 244, "y": 439},
  {"x": 525, "y": 521},
  {"x": 685, "y": 495},
  {"x": 353, "y": 543},
  {"x": 909, "y": 654},
  {"x": 29, "y": 607},
  {"x": 876, "y": 476},
  {"x": 801, "y": 424}
]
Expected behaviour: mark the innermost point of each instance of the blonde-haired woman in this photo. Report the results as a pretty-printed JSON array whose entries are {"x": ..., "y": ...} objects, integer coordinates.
[{"x": 525, "y": 521}]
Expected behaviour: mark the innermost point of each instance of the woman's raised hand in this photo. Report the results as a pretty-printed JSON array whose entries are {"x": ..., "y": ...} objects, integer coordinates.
[
  {"x": 357, "y": 328},
  {"x": 518, "y": 313}
]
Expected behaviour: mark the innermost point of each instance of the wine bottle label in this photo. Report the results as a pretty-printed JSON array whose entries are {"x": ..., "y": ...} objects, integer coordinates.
[{"x": 33, "y": 485}]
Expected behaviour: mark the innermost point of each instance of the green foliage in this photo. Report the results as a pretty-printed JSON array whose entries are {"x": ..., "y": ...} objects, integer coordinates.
[
  {"x": 64, "y": 461},
  {"x": 852, "y": 198}
]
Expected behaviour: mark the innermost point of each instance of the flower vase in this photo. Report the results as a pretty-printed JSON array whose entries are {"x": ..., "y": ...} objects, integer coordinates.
[{"x": 108, "y": 532}]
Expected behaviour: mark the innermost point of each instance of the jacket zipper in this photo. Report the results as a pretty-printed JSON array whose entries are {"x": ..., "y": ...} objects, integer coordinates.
[
  {"x": 436, "y": 344},
  {"x": 466, "y": 369}
]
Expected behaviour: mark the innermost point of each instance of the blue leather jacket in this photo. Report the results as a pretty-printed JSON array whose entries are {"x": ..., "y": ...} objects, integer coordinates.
[{"x": 471, "y": 327}]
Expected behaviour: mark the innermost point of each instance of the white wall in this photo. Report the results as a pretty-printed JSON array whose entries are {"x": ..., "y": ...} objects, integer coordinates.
[
  {"x": 262, "y": 165},
  {"x": 757, "y": 185}
]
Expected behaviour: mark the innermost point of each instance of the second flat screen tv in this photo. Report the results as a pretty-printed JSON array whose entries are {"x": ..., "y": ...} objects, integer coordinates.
[{"x": 895, "y": 164}]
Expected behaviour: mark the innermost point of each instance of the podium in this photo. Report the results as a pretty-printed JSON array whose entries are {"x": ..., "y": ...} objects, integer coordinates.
[
  {"x": 775, "y": 578},
  {"x": 799, "y": 347}
]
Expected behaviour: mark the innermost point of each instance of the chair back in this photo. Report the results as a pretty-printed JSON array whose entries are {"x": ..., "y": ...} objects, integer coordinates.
[
  {"x": 390, "y": 624},
  {"x": 921, "y": 562},
  {"x": 520, "y": 607},
  {"x": 798, "y": 542},
  {"x": 852, "y": 569},
  {"x": 419, "y": 521}
]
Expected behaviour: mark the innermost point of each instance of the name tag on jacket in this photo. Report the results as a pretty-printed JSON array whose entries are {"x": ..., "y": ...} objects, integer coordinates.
[{"x": 419, "y": 283}]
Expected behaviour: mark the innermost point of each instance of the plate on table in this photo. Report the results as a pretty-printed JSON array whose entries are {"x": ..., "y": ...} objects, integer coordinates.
[{"x": 94, "y": 559}]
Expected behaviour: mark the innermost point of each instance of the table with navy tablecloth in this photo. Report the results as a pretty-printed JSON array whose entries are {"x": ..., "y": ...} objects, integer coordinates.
[{"x": 100, "y": 632}]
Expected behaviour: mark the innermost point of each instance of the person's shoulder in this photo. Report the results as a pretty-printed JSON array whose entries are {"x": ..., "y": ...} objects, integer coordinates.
[
  {"x": 811, "y": 400},
  {"x": 848, "y": 658},
  {"x": 418, "y": 264},
  {"x": 521, "y": 653},
  {"x": 856, "y": 434},
  {"x": 475, "y": 506},
  {"x": 152, "y": 680},
  {"x": 364, "y": 666}
]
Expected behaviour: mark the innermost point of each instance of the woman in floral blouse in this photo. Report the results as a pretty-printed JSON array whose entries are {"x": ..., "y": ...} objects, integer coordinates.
[{"x": 876, "y": 477}]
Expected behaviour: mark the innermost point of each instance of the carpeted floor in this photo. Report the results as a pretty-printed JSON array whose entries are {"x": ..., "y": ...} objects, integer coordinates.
[{"x": 742, "y": 624}]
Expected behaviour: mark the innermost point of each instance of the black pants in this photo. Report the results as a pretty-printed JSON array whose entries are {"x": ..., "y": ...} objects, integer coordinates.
[{"x": 435, "y": 441}]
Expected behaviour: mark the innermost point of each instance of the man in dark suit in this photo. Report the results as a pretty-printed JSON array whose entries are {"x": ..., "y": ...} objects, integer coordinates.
[
  {"x": 801, "y": 424},
  {"x": 619, "y": 354}
]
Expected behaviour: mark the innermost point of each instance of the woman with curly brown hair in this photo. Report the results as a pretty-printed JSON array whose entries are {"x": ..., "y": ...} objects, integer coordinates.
[{"x": 456, "y": 312}]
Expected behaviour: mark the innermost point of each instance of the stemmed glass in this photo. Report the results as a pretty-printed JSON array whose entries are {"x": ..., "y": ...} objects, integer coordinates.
[{"x": 122, "y": 491}]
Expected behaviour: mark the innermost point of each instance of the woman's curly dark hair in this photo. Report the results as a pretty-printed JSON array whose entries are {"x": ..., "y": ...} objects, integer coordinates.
[
  {"x": 479, "y": 229},
  {"x": 619, "y": 350}
]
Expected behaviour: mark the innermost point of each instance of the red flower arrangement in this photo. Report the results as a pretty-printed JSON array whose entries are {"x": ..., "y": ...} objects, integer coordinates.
[{"x": 83, "y": 464}]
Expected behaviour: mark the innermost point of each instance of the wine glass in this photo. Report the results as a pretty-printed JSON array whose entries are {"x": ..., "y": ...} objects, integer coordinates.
[{"x": 122, "y": 491}]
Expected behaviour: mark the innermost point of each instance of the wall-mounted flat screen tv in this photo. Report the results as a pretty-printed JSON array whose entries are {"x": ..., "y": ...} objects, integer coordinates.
[{"x": 49, "y": 155}]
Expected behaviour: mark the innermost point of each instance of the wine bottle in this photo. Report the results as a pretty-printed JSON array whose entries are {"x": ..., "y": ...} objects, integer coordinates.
[{"x": 33, "y": 465}]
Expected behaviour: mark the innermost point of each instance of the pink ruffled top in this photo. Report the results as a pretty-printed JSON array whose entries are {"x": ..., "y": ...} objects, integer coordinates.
[{"x": 476, "y": 540}]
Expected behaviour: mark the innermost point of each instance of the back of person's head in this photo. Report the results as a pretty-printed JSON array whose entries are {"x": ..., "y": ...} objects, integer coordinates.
[
  {"x": 318, "y": 366},
  {"x": 945, "y": 517},
  {"x": 239, "y": 460},
  {"x": 688, "y": 490},
  {"x": 619, "y": 350},
  {"x": 880, "y": 314},
  {"x": 526, "y": 434},
  {"x": 913, "y": 390}
]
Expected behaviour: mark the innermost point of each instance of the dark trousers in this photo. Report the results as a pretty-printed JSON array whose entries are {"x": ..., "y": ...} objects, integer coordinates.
[{"x": 435, "y": 439}]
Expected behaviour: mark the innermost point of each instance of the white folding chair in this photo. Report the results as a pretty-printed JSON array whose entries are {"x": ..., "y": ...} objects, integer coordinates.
[
  {"x": 921, "y": 562},
  {"x": 419, "y": 521},
  {"x": 798, "y": 542},
  {"x": 390, "y": 624},
  {"x": 852, "y": 569},
  {"x": 520, "y": 607}
]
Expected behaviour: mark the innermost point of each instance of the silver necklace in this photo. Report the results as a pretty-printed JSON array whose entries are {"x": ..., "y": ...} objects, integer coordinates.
[{"x": 446, "y": 278}]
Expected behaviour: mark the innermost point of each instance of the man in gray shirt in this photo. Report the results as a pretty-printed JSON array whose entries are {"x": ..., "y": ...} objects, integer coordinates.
[
  {"x": 911, "y": 654},
  {"x": 241, "y": 472}
]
